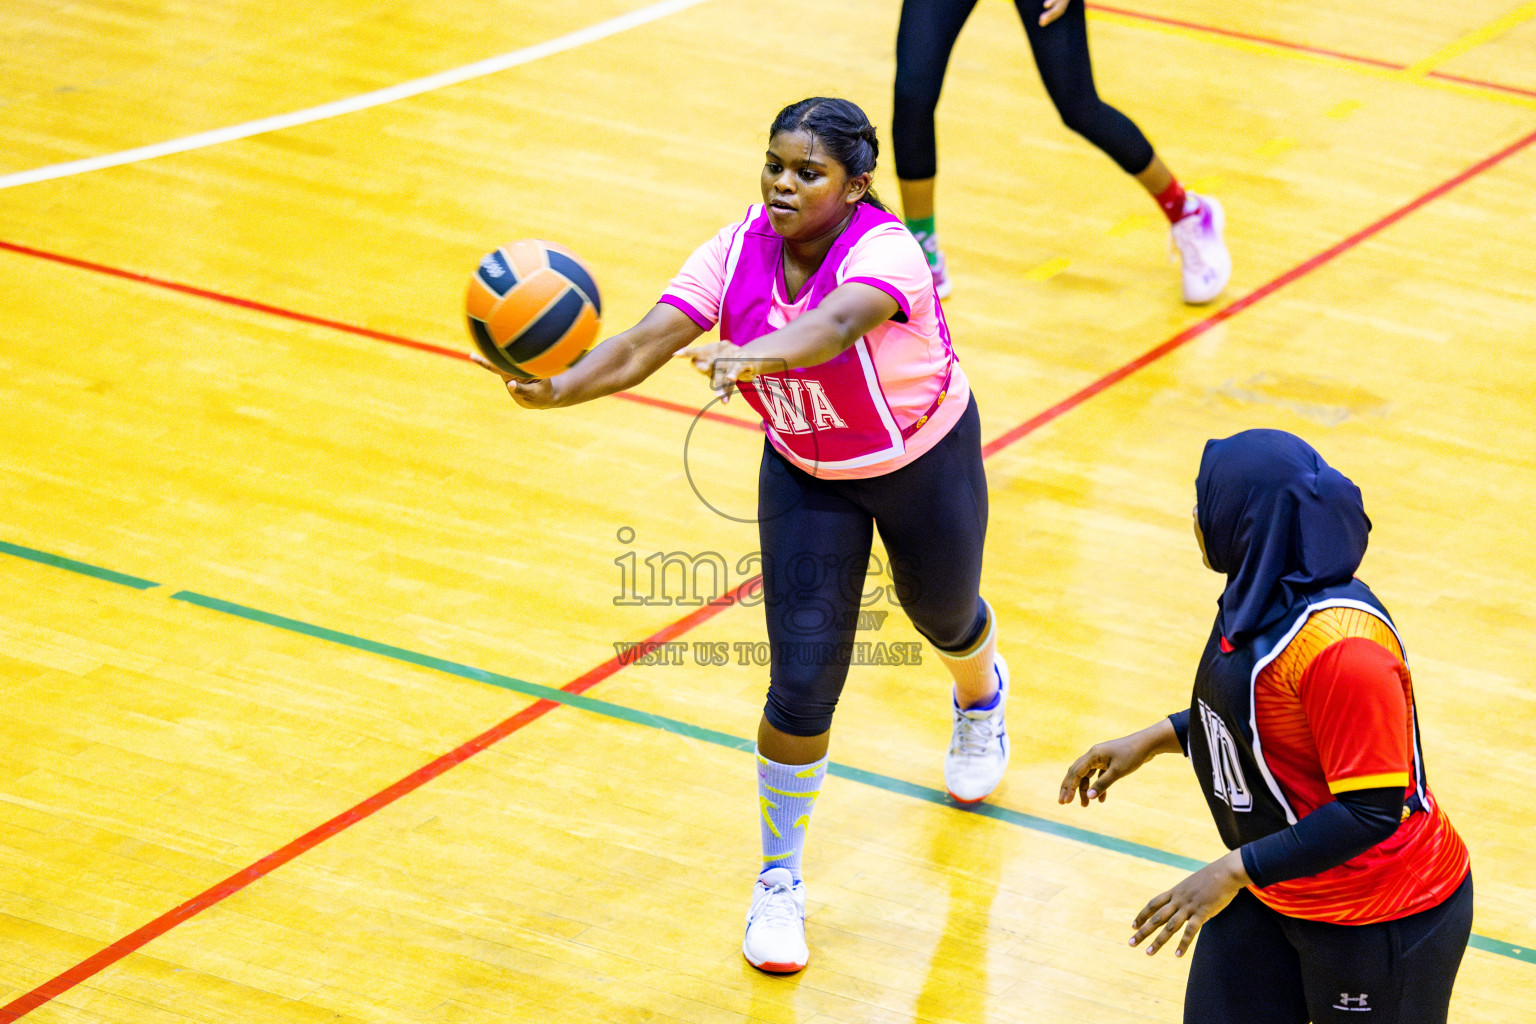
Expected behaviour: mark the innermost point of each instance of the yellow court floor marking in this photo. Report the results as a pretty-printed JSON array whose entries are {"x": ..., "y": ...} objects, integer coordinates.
[
  {"x": 1047, "y": 270},
  {"x": 1133, "y": 222},
  {"x": 1276, "y": 146},
  {"x": 1472, "y": 40}
]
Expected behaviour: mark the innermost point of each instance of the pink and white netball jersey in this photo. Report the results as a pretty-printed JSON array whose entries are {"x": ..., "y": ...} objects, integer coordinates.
[{"x": 869, "y": 411}]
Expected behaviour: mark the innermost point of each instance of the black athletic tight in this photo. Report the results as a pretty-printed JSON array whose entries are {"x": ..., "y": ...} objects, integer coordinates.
[
  {"x": 816, "y": 537},
  {"x": 923, "y": 44}
]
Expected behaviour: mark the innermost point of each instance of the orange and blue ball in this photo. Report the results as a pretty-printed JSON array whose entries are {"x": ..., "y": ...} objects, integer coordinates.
[{"x": 533, "y": 308}]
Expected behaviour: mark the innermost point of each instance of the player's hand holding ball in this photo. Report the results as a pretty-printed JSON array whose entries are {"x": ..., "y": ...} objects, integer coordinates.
[
  {"x": 533, "y": 312},
  {"x": 538, "y": 393}
]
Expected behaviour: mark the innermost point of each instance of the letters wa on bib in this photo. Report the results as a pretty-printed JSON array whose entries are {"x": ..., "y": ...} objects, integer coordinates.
[{"x": 874, "y": 408}]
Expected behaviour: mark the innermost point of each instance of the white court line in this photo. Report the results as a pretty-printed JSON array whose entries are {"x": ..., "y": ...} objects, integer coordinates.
[{"x": 442, "y": 79}]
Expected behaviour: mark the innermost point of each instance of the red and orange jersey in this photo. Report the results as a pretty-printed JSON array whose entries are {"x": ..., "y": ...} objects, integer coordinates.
[{"x": 1334, "y": 712}]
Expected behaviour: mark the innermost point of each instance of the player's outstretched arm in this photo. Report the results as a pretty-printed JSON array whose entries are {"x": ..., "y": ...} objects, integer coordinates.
[
  {"x": 1092, "y": 774},
  {"x": 847, "y": 314},
  {"x": 619, "y": 363}
]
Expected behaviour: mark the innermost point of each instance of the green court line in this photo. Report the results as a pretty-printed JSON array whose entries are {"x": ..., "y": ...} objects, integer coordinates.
[
  {"x": 672, "y": 725},
  {"x": 1502, "y": 948},
  {"x": 1019, "y": 818},
  {"x": 83, "y": 568},
  {"x": 679, "y": 728},
  {"x": 479, "y": 675}
]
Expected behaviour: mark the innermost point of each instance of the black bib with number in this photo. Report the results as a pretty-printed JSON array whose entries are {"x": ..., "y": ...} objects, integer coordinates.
[{"x": 1224, "y": 747}]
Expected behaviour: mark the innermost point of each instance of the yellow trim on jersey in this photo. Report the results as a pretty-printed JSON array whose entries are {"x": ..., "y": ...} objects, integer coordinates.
[{"x": 1368, "y": 782}]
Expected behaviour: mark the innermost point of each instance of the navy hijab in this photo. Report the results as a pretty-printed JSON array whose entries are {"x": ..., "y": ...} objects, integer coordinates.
[{"x": 1279, "y": 522}]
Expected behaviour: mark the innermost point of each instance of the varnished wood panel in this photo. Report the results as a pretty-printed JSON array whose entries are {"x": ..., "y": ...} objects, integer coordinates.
[{"x": 591, "y": 865}]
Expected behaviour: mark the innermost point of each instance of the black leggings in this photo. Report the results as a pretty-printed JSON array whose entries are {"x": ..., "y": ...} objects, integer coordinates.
[
  {"x": 816, "y": 537},
  {"x": 1254, "y": 965},
  {"x": 923, "y": 43}
]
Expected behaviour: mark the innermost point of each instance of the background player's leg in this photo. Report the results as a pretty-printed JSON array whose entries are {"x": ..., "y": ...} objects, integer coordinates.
[
  {"x": 815, "y": 546},
  {"x": 1066, "y": 69},
  {"x": 1061, "y": 54},
  {"x": 924, "y": 40}
]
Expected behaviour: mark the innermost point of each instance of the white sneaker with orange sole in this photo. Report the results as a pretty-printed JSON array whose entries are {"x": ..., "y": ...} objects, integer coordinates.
[
  {"x": 775, "y": 940},
  {"x": 978, "y": 746}
]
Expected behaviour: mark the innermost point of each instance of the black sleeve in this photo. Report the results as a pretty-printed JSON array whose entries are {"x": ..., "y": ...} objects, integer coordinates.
[
  {"x": 1348, "y": 826},
  {"x": 1180, "y": 720}
]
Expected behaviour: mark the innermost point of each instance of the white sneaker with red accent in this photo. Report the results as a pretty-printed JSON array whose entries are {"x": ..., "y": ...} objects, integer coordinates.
[
  {"x": 978, "y": 746},
  {"x": 1207, "y": 266},
  {"x": 775, "y": 940}
]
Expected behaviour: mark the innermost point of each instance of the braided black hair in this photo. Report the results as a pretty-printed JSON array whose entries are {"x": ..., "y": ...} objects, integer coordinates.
[{"x": 844, "y": 130}]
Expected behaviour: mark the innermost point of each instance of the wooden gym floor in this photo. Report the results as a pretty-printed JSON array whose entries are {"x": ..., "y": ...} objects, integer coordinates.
[{"x": 312, "y": 704}]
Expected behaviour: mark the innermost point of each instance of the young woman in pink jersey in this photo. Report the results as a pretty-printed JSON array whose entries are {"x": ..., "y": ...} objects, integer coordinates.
[{"x": 831, "y": 330}]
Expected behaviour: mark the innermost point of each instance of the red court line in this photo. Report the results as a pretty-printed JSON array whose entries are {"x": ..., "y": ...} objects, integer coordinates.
[
  {"x": 1248, "y": 37},
  {"x": 1318, "y": 51},
  {"x": 1480, "y": 83},
  {"x": 1263, "y": 291},
  {"x": 136, "y": 940},
  {"x": 335, "y": 325}
]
